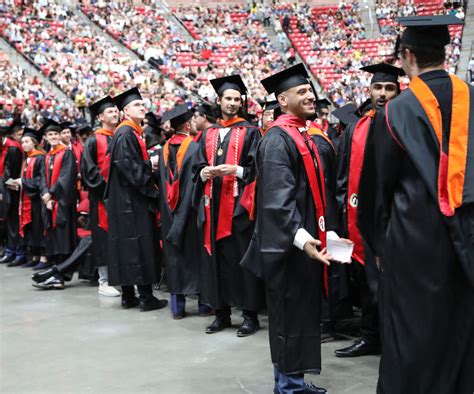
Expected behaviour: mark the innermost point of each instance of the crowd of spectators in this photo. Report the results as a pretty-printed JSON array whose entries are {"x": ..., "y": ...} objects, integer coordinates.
[
  {"x": 21, "y": 93},
  {"x": 224, "y": 40},
  {"x": 387, "y": 11},
  {"x": 84, "y": 65}
]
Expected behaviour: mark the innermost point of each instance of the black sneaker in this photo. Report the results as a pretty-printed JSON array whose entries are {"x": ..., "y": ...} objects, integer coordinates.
[{"x": 52, "y": 283}]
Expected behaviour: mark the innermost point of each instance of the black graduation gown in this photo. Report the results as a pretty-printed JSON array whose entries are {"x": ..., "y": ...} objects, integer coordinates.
[
  {"x": 11, "y": 198},
  {"x": 293, "y": 281},
  {"x": 131, "y": 200},
  {"x": 179, "y": 232},
  {"x": 34, "y": 231},
  {"x": 223, "y": 281},
  {"x": 62, "y": 239},
  {"x": 427, "y": 258},
  {"x": 94, "y": 182}
]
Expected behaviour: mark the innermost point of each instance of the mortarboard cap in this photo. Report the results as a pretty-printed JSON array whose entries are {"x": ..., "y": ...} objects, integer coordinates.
[
  {"x": 36, "y": 134},
  {"x": 427, "y": 31},
  {"x": 206, "y": 109},
  {"x": 66, "y": 125},
  {"x": 271, "y": 105},
  {"x": 50, "y": 125},
  {"x": 383, "y": 72},
  {"x": 152, "y": 120},
  {"x": 286, "y": 79},
  {"x": 347, "y": 114},
  {"x": 100, "y": 106},
  {"x": 83, "y": 128},
  {"x": 233, "y": 82},
  {"x": 323, "y": 104},
  {"x": 15, "y": 126},
  {"x": 177, "y": 116},
  {"x": 4, "y": 130},
  {"x": 127, "y": 97}
]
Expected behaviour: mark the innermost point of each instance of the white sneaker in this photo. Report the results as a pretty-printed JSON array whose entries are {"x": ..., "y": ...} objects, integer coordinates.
[{"x": 108, "y": 291}]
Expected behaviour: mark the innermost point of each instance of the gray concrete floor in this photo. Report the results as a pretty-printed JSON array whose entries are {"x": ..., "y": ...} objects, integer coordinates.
[{"x": 75, "y": 341}]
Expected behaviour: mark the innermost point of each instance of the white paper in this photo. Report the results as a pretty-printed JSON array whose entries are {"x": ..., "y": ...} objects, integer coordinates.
[{"x": 339, "y": 250}]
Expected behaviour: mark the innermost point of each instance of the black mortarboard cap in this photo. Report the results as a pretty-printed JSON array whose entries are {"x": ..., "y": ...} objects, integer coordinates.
[
  {"x": 16, "y": 125},
  {"x": 347, "y": 114},
  {"x": 233, "y": 82},
  {"x": 66, "y": 125},
  {"x": 100, "y": 106},
  {"x": 50, "y": 124},
  {"x": 152, "y": 120},
  {"x": 127, "y": 97},
  {"x": 83, "y": 128},
  {"x": 178, "y": 115},
  {"x": 323, "y": 103},
  {"x": 427, "y": 31},
  {"x": 286, "y": 79},
  {"x": 206, "y": 109},
  {"x": 4, "y": 130},
  {"x": 383, "y": 72},
  {"x": 36, "y": 134},
  {"x": 271, "y": 105}
]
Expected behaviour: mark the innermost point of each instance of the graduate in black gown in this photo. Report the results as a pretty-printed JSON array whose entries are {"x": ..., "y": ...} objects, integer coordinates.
[
  {"x": 31, "y": 205},
  {"x": 132, "y": 203},
  {"x": 179, "y": 233},
  {"x": 224, "y": 176},
  {"x": 11, "y": 159},
  {"x": 94, "y": 172},
  {"x": 416, "y": 212},
  {"x": 59, "y": 193},
  {"x": 288, "y": 247},
  {"x": 384, "y": 86}
]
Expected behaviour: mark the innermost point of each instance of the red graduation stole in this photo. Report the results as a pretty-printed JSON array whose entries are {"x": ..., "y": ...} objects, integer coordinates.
[
  {"x": 103, "y": 162},
  {"x": 229, "y": 188},
  {"x": 359, "y": 138},
  {"x": 172, "y": 184},
  {"x": 3, "y": 152},
  {"x": 453, "y": 158},
  {"x": 314, "y": 172},
  {"x": 25, "y": 199},
  {"x": 51, "y": 181}
]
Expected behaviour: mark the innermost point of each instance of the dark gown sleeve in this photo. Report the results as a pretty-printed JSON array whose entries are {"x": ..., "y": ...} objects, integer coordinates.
[
  {"x": 65, "y": 187},
  {"x": 342, "y": 173},
  {"x": 250, "y": 152},
  {"x": 32, "y": 186},
  {"x": 129, "y": 163},
  {"x": 380, "y": 174},
  {"x": 328, "y": 158},
  {"x": 278, "y": 216},
  {"x": 13, "y": 162},
  {"x": 91, "y": 175}
]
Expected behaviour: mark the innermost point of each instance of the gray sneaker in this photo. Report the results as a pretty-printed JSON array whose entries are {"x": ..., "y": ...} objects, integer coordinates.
[{"x": 52, "y": 283}]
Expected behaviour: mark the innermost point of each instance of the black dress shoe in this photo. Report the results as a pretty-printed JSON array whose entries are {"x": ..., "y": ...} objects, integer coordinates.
[
  {"x": 218, "y": 325},
  {"x": 152, "y": 304},
  {"x": 41, "y": 276},
  {"x": 18, "y": 262},
  {"x": 130, "y": 303},
  {"x": 361, "y": 347},
  {"x": 29, "y": 264},
  {"x": 311, "y": 388},
  {"x": 248, "y": 327},
  {"x": 8, "y": 258}
]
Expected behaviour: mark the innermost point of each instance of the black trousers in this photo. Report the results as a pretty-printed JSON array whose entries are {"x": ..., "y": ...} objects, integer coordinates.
[
  {"x": 225, "y": 312},
  {"x": 145, "y": 292}
]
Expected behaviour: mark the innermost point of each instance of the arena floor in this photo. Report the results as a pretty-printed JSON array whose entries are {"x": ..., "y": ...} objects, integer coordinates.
[{"x": 74, "y": 341}]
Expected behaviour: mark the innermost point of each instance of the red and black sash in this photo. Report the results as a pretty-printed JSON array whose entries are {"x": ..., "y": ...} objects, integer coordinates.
[
  {"x": 25, "y": 199},
  {"x": 172, "y": 182},
  {"x": 313, "y": 168},
  {"x": 3, "y": 152},
  {"x": 103, "y": 162},
  {"x": 359, "y": 139},
  {"x": 229, "y": 189},
  {"x": 51, "y": 180}
]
